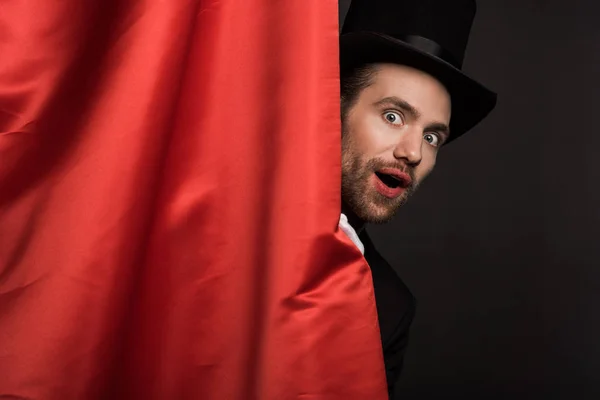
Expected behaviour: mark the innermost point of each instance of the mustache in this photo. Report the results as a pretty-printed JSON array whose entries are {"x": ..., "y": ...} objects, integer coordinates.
[{"x": 375, "y": 164}]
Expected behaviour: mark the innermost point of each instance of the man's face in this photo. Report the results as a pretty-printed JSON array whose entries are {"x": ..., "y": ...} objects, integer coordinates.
[{"x": 390, "y": 139}]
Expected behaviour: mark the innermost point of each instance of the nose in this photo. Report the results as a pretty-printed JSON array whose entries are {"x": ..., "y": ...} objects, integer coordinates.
[{"x": 409, "y": 147}]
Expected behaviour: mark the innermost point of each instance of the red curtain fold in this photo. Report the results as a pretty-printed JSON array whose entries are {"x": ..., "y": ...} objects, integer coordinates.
[{"x": 169, "y": 199}]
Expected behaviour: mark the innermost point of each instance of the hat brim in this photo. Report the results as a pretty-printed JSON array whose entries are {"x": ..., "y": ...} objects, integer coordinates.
[{"x": 471, "y": 101}]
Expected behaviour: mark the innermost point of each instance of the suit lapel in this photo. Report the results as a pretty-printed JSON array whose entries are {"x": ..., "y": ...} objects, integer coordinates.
[{"x": 394, "y": 300}]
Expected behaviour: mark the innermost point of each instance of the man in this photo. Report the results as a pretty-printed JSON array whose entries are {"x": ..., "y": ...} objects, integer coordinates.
[{"x": 404, "y": 96}]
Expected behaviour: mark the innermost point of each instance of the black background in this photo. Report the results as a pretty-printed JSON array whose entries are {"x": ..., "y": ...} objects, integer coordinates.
[{"x": 501, "y": 245}]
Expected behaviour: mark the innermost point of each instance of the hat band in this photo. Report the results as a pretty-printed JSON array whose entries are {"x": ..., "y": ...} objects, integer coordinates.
[{"x": 430, "y": 47}]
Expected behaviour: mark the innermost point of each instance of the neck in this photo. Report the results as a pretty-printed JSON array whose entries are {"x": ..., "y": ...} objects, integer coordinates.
[{"x": 353, "y": 219}]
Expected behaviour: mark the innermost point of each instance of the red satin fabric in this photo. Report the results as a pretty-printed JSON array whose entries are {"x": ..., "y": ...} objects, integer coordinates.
[{"x": 169, "y": 199}]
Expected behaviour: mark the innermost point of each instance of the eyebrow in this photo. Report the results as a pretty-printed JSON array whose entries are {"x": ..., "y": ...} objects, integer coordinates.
[{"x": 414, "y": 113}]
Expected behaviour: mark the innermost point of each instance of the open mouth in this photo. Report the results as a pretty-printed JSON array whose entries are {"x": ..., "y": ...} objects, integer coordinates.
[{"x": 390, "y": 181}]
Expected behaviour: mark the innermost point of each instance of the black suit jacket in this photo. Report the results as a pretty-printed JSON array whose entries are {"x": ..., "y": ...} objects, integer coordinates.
[{"x": 395, "y": 309}]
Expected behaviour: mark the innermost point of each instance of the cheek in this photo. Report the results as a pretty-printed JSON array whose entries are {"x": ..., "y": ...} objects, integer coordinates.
[
  {"x": 370, "y": 135},
  {"x": 427, "y": 164}
]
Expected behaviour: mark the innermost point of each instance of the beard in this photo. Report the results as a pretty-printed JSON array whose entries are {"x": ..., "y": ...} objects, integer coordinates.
[{"x": 357, "y": 192}]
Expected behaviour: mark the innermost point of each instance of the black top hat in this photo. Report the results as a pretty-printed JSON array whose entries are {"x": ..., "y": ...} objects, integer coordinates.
[{"x": 430, "y": 35}]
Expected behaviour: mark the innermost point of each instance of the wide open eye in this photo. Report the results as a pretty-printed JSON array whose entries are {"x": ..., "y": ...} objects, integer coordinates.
[
  {"x": 393, "y": 117},
  {"x": 432, "y": 138}
]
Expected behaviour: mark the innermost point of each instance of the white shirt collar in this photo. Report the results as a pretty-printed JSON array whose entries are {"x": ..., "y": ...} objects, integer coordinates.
[{"x": 351, "y": 233}]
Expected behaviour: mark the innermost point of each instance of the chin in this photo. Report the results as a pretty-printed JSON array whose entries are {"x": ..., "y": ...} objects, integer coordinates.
[
  {"x": 378, "y": 214},
  {"x": 373, "y": 208},
  {"x": 380, "y": 218}
]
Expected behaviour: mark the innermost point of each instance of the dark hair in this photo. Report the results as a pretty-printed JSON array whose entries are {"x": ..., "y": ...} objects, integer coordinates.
[{"x": 352, "y": 82}]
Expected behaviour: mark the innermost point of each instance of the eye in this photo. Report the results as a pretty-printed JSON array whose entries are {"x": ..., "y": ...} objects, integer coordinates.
[
  {"x": 393, "y": 117},
  {"x": 432, "y": 138}
]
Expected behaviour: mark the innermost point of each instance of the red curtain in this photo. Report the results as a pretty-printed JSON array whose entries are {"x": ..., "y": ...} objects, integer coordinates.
[{"x": 169, "y": 200}]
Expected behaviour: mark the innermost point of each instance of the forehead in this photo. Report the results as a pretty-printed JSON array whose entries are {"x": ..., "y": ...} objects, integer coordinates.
[{"x": 416, "y": 87}]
